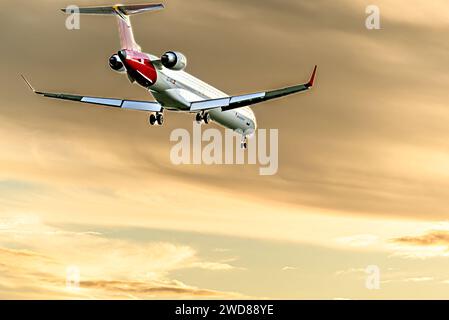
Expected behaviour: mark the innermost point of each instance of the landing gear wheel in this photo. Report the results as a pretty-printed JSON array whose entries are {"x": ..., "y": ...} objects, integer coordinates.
[
  {"x": 160, "y": 119},
  {"x": 206, "y": 118},
  {"x": 153, "y": 119},
  {"x": 198, "y": 118},
  {"x": 202, "y": 117}
]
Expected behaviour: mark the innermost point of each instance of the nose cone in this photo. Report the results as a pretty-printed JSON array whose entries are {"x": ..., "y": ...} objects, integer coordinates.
[
  {"x": 253, "y": 127},
  {"x": 253, "y": 118}
]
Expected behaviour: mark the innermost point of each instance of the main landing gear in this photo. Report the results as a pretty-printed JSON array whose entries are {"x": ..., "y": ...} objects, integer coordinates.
[
  {"x": 203, "y": 117},
  {"x": 157, "y": 118}
]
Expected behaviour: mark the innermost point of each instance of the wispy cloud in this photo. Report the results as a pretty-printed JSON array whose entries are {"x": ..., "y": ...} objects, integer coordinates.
[
  {"x": 422, "y": 279},
  {"x": 150, "y": 290},
  {"x": 289, "y": 268},
  {"x": 362, "y": 240},
  {"x": 434, "y": 243},
  {"x": 350, "y": 271},
  {"x": 215, "y": 266},
  {"x": 108, "y": 267},
  {"x": 432, "y": 238}
]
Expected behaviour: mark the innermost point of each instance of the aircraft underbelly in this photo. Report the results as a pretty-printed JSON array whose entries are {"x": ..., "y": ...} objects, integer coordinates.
[
  {"x": 179, "y": 89},
  {"x": 230, "y": 119}
]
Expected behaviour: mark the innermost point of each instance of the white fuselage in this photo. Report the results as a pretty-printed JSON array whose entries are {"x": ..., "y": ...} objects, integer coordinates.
[{"x": 175, "y": 90}]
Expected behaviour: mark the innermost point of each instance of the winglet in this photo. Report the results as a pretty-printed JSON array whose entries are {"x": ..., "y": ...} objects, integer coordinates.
[
  {"x": 312, "y": 78},
  {"x": 28, "y": 83}
]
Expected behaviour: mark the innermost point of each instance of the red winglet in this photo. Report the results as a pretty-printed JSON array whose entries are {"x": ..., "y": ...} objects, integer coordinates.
[{"x": 312, "y": 78}]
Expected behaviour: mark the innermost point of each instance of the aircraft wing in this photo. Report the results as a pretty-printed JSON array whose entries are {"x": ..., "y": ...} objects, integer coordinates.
[
  {"x": 240, "y": 101},
  {"x": 108, "y": 102}
]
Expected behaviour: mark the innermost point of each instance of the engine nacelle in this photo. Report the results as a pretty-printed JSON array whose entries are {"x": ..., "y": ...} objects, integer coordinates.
[
  {"x": 116, "y": 64},
  {"x": 174, "y": 60}
]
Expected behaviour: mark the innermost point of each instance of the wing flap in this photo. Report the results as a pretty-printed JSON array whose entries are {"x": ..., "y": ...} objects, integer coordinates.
[{"x": 210, "y": 104}]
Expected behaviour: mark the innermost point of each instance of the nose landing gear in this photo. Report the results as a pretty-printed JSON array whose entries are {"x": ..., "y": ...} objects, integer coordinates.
[
  {"x": 203, "y": 117},
  {"x": 157, "y": 118},
  {"x": 244, "y": 142}
]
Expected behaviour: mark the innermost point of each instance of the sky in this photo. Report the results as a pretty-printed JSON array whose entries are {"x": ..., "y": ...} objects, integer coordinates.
[{"x": 363, "y": 156}]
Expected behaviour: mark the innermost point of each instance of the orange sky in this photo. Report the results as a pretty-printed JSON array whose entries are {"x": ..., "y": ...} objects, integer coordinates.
[{"x": 363, "y": 173}]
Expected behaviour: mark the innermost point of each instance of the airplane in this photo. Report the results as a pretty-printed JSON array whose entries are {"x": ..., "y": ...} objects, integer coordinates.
[{"x": 166, "y": 80}]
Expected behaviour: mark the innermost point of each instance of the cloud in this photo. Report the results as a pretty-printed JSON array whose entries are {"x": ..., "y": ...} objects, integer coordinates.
[
  {"x": 353, "y": 172},
  {"x": 350, "y": 271},
  {"x": 433, "y": 238},
  {"x": 387, "y": 275},
  {"x": 147, "y": 290},
  {"x": 108, "y": 267},
  {"x": 362, "y": 240},
  {"x": 92, "y": 165},
  {"x": 434, "y": 243},
  {"x": 23, "y": 254},
  {"x": 215, "y": 266},
  {"x": 377, "y": 167},
  {"x": 289, "y": 268},
  {"x": 421, "y": 279}
]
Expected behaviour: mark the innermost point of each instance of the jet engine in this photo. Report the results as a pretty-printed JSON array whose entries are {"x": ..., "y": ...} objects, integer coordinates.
[
  {"x": 174, "y": 60},
  {"x": 116, "y": 64}
]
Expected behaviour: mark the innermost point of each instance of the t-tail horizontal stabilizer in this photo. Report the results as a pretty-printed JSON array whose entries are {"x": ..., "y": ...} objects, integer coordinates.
[
  {"x": 119, "y": 9},
  {"x": 122, "y": 12}
]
